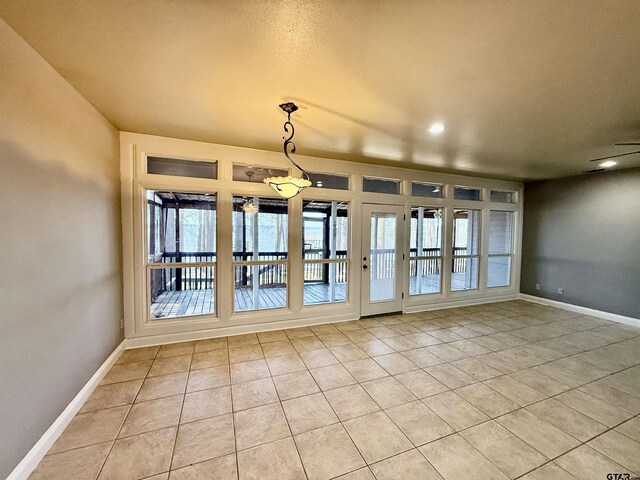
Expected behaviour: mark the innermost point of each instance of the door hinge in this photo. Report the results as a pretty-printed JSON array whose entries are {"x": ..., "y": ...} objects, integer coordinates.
[
  {"x": 404, "y": 216},
  {"x": 402, "y": 294},
  {"x": 403, "y": 256}
]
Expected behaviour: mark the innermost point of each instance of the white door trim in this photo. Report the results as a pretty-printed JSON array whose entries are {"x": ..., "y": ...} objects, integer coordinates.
[{"x": 367, "y": 307}]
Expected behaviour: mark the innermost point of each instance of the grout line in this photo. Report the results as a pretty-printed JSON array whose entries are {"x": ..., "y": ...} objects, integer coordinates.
[
  {"x": 582, "y": 444},
  {"x": 233, "y": 417},
  {"x": 443, "y": 320},
  {"x": 126, "y": 416},
  {"x": 184, "y": 393}
]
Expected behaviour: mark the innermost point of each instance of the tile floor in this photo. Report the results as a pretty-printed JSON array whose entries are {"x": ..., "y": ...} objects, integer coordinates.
[{"x": 507, "y": 390}]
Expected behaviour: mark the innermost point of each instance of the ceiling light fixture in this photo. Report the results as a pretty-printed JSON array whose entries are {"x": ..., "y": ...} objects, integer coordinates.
[
  {"x": 289, "y": 186},
  {"x": 250, "y": 207},
  {"x": 437, "y": 128},
  {"x": 609, "y": 164}
]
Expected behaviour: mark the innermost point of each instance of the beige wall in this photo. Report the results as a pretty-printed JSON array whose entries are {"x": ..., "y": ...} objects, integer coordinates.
[
  {"x": 60, "y": 245},
  {"x": 582, "y": 234}
]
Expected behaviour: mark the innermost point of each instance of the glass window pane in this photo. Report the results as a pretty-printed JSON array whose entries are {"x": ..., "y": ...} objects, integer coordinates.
[
  {"x": 380, "y": 185},
  {"x": 426, "y": 231},
  {"x": 504, "y": 197},
  {"x": 500, "y": 231},
  {"x": 427, "y": 190},
  {"x": 181, "y": 227},
  {"x": 256, "y": 173},
  {"x": 324, "y": 180},
  {"x": 466, "y": 193},
  {"x": 325, "y": 283},
  {"x": 259, "y": 287},
  {"x": 424, "y": 276},
  {"x": 383, "y": 257},
  {"x": 325, "y": 229},
  {"x": 499, "y": 274},
  {"x": 260, "y": 223},
  {"x": 464, "y": 274},
  {"x": 182, "y": 168},
  {"x": 466, "y": 231},
  {"x": 181, "y": 292}
]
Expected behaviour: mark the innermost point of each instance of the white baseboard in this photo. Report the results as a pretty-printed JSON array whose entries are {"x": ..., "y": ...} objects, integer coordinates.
[
  {"x": 634, "y": 322},
  {"x": 467, "y": 302},
  {"x": 152, "y": 340},
  {"x": 42, "y": 446}
]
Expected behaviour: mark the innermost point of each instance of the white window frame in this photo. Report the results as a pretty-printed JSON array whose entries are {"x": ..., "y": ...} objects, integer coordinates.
[
  {"x": 328, "y": 261},
  {"x": 418, "y": 258},
  {"x": 509, "y": 255},
  {"x": 150, "y": 266},
  {"x": 477, "y": 255},
  {"x": 135, "y": 180},
  {"x": 256, "y": 264}
]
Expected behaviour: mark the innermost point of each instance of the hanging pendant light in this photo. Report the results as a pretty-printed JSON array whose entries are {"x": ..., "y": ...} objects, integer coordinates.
[
  {"x": 250, "y": 207},
  {"x": 289, "y": 186}
]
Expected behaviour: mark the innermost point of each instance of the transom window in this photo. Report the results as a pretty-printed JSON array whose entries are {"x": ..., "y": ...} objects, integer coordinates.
[
  {"x": 467, "y": 193},
  {"x": 434, "y": 190},
  {"x": 256, "y": 173},
  {"x": 326, "y": 180},
  {"x": 381, "y": 185},
  {"x": 502, "y": 196},
  {"x": 177, "y": 167}
]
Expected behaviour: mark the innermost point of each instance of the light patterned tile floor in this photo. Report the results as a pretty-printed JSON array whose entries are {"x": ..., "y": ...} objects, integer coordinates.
[{"x": 504, "y": 390}]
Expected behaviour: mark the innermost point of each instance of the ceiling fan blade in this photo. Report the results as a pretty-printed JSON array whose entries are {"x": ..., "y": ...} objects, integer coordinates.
[
  {"x": 615, "y": 156},
  {"x": 628, "y": 143}
]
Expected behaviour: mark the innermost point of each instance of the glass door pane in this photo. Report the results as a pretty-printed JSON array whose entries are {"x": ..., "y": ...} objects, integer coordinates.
[
  {"x": 382, "y": 264},
  {"x": 382, "y": 279}
]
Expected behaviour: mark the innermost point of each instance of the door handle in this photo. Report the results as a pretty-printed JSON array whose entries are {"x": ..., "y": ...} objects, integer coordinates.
[{"x": 364, "y": 267}]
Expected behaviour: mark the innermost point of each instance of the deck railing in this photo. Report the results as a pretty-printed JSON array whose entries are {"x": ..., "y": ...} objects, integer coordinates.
[
  {"x": 319, "y": 272},
  {"x": 202, "y": 277}
]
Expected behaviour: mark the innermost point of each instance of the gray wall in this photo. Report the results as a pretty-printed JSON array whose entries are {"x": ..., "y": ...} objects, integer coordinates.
[
  {"x": 60, "y": 245},
  {"x": 582, "y": 234}
]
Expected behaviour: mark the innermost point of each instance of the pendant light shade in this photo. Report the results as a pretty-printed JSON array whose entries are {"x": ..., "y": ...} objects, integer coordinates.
[
  {"x": 289, "y": 186},
  {"x": 250, "y": 207}
]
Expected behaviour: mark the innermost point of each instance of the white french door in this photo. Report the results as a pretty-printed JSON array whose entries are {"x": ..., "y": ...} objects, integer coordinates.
[{"x": 382, "y": 262}]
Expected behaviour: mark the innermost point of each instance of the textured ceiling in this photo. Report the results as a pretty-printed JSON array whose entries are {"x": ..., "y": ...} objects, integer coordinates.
[{"x": 528, "y": 89}]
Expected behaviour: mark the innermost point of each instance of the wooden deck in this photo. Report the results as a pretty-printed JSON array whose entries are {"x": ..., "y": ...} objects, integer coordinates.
[
  {"x": 183, "y": 303},
  {"x": 200, "y": 302}
]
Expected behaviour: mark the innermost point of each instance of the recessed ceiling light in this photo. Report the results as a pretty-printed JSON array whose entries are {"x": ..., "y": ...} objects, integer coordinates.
[
  {"x": 437, "y": 128},
  {"x": 609, "y": 164}
]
